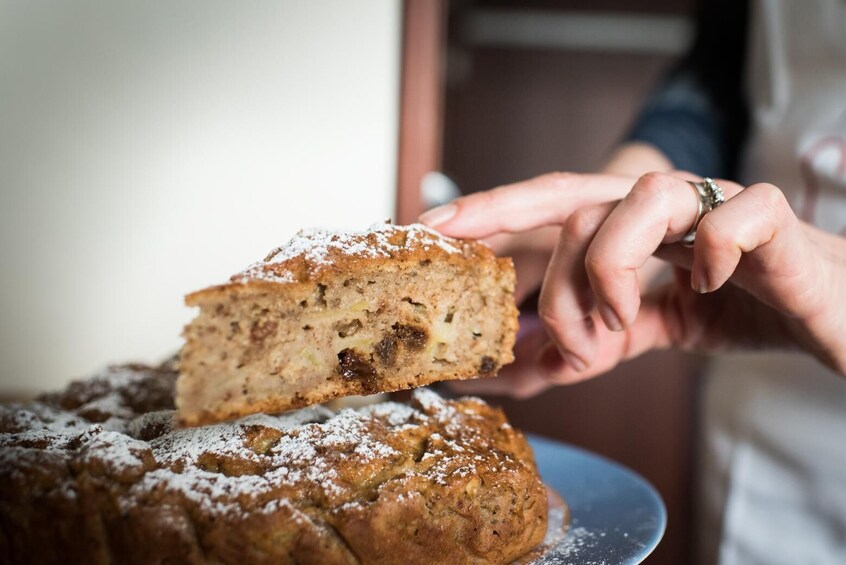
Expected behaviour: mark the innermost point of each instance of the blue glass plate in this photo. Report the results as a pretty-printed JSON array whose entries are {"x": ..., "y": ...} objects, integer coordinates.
[{"x": 616, "y": 517}]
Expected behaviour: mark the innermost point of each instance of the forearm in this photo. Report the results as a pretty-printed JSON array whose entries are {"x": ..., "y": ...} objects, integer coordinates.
[{"x": 697, "y": 116}]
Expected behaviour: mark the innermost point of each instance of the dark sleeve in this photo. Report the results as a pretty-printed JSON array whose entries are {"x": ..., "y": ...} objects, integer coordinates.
[{"x": 698, "y": 115}]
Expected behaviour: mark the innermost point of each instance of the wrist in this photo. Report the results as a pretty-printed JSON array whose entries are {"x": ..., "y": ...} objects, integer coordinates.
[{"x": 635, "y": 159}]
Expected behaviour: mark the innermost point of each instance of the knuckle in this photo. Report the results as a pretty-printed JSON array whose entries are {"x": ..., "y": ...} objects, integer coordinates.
[
  {"x": 597, "y": 264},
  {"x": 494, "y": 196},
  {"x": 652, "y": 185},
  {"x": 710, "y": 235},
  {"x": 463, "y": 202},
  {"x": 581, "y": 224},
  {"x": 493, "y": 199},
  {"x": 550, "y": 316},
  {"x": 771, "y": 199},
  {"x": 476, "y": 201},
  {"x": 555, "y": 322},
  {"x": 557, "y": 177}
]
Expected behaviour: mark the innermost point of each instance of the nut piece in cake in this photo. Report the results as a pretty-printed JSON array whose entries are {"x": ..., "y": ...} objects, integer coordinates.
[{"x": 339, "y": 313}]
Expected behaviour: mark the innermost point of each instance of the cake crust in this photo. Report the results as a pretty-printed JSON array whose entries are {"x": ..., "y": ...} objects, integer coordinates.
[
  {"x": 99, "y": 474},
  {"x": 339, "y": 313}
]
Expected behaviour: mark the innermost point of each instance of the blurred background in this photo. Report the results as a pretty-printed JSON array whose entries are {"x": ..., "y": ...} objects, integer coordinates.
[{"x": 148, "y": 149}]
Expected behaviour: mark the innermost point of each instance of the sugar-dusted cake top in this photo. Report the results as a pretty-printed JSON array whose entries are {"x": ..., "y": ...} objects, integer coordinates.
[
  {"x": 318, "y": 249},
  {"x": 118, "y": 426}
]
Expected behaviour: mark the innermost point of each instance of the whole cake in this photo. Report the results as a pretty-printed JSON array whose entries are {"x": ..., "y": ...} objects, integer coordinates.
[
  {"x": 99, "y": 474},
  {"x": 337, "y": 313}
]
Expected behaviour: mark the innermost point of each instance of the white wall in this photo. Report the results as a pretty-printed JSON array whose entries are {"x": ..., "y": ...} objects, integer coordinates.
[{"x": 148, "y": 149}]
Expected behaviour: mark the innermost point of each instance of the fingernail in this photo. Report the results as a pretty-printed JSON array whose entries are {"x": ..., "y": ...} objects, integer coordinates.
[
  {"x": 577, "y": 364},
  {"x": 610, "y": 317},
  {"x": 439, "y": 215},
  {"x": 699, "y": 281}
]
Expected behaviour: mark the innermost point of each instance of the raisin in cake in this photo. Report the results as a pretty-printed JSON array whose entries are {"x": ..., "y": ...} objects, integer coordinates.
[
  {"x": 339, "y": 313},
  {"x": 99, "y": 474}
]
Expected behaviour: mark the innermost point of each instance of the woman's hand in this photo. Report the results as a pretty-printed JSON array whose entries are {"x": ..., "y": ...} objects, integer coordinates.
[
  {"x": 755, "y": 277},
  {"x": 514, "y": 237}
]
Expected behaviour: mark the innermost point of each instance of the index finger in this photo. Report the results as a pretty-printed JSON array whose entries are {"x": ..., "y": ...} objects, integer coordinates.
[{"x": 542, "y": 201}]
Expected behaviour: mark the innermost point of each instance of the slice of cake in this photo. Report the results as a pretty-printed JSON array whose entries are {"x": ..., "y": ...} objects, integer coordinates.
[{"x": 338, "y": 313}]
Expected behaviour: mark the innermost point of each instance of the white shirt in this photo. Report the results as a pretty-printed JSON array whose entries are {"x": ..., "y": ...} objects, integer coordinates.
[{"x": 773, "y": 462}]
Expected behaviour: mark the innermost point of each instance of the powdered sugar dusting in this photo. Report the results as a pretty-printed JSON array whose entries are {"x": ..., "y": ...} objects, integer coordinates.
[
  {"x": 238, "y": 466},
  {"x": 315, "y": 244},
  {"x": 569, "y": 550},
  {"x": 114, "y": 451},
  {"x": 320, "y": 247}
]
